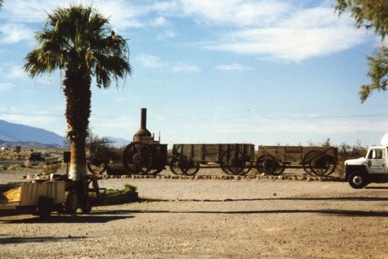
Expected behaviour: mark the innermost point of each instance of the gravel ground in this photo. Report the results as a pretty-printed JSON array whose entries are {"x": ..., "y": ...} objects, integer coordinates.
[{"x": 188, "y": 218}]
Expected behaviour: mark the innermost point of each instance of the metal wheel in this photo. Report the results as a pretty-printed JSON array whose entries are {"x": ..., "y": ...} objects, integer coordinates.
[
  {"x": 306, "y": 162},
  {"x": 267, "y": 164},
  {"x": 178, "y": 165},
  {"x": 247, "y": 168},
  {"x": 318, "y": 163},
  {"x": 192, "y": 167},
  {"x": 232, "y": 162},
  {"x": 97, "y": 164},
  {"x": 137, "y": 158}
]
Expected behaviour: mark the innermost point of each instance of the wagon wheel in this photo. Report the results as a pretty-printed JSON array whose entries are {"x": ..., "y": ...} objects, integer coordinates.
[
  {"x": 247, "y": 168},
  {"x": 306, "y": 162},
  {"x": 137, "y": 158},
  {"x": 232, "y": 162},
  {"x": 267, "y": 164},
  {"x": 318, "y": 163},
  {"x": 178, "y": 165},
  {"x": 97, "y": 163},
  {"x": 192, "y": 167}
]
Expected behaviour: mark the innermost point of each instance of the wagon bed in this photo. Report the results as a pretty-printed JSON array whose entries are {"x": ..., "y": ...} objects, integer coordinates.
[
  {"x": 233, "y": 158},
  {"x": 315, "y": 160}
]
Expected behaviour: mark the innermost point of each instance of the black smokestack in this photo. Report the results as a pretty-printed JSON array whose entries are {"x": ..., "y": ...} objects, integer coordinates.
[{"x": 142, "y": 132}]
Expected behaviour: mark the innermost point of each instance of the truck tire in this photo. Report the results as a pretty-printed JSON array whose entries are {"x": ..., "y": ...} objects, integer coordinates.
[{"x": 358, "y": 180}]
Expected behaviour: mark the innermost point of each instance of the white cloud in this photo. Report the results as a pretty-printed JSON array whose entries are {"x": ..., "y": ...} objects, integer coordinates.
[
  {"x": 233, "y": 67},
  {"x": 150, "y": 61},
  {"x": 16, "y": 72},
  {"x": 186, "y": 68},
  {"x": 13, "y": 33},
  {"x": 235, "y": 12},
  {"x": 159, "y": 21},
  {"x": 305, "y": 34}
]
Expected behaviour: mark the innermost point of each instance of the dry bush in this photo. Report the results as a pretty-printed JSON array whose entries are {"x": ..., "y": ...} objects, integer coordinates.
[
  {"x": 27, "y": 164},
  {"x": 14, "y": 167},
  {"x": 51, "y": 168}
]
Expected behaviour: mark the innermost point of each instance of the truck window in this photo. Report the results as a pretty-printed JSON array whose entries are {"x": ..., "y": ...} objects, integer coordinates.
[
  {"x": 370, "y": 155},
  {"x": 378, "y": 154}
]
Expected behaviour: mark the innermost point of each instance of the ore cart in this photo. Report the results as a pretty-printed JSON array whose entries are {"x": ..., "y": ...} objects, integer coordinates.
[
  {"x": 320, "y": 161},
  {"x": 233, "y": 159},
  {"x": 144, "y": 153}
]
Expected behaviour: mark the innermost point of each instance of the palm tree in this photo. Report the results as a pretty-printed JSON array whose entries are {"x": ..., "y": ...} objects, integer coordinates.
[{"x": 80, "y": 42}]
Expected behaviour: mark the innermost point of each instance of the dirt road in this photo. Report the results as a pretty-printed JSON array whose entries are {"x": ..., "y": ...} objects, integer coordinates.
[{"x": 256, "y": 218}]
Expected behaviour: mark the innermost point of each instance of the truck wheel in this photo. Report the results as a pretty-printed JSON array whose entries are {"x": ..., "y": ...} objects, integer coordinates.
[{"x": 358, "y": 180}]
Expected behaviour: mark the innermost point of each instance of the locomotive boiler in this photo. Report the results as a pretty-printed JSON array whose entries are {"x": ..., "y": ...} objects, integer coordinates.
[{"x": 144, "y": 154}]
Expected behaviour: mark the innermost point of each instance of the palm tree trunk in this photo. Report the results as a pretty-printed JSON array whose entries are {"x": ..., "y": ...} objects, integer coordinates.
[{"x": 78, "y": 99}]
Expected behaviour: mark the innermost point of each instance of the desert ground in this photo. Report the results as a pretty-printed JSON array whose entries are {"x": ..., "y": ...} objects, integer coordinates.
[{"x": 238, "y": 217}]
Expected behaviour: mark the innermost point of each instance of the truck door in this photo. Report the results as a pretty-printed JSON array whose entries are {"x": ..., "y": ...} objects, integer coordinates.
[{"x": 376, "y": 161}]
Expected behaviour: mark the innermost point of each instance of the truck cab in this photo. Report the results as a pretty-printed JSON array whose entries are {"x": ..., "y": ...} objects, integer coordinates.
[{"x": 369, "y": 169}]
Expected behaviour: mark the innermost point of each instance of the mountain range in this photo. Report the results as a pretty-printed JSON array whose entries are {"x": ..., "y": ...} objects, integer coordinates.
[{"x": 12, "y": 135}]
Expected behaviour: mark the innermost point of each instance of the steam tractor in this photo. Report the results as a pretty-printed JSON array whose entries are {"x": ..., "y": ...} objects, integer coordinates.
[{"x": 144, "y": 153}]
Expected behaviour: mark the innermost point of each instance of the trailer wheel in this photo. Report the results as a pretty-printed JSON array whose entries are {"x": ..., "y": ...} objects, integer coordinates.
[
  {"x": 358, "y": 180},
  {"x": 233, "y": 162},
  {"x": 97, "y": 167},
  {"x": 192, "y": 167},
  {"x": 178, "y": 165},
  {"x": 70, "y": 204},
  {"x": 45, "y": 207},
  {"x": 318, "y": 163},
  {"x": 267, "y": 164}
]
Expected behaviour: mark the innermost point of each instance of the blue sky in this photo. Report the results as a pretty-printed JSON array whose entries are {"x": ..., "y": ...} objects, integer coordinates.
[{"x": 221, "y": 71}]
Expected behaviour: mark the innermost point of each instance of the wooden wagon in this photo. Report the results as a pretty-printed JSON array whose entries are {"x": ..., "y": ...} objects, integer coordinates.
[
  {"x": 314, "y": 160},
  {"x": 233, "y": 158}
]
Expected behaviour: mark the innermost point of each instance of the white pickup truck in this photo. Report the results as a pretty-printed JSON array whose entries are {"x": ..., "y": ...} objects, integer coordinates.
[{"x": 373, "y": 168}]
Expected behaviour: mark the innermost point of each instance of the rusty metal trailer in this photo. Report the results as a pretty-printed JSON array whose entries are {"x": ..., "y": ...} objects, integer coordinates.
[
  {"x": 233, "y": 158},
  {"x": 315, "y": 160}
]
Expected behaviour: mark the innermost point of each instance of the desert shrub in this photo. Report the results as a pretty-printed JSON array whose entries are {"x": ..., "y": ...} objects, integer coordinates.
[
  {"x": 346, "y": 152},
  {"x": 51, "y": 168},
  {"x": 128, "y": 188},
  {"x": 14, "y": 167},
  {"x": 27, "y": 164}
]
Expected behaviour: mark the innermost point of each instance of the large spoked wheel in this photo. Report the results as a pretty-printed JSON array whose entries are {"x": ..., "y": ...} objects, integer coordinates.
[
  {"x": 318, "y": 163},
  {"x": 247, "y": 168},
  {"x": 233, "y": 162},
  {"x": 267, "y": 164},
  {"x": 178, "y": 165},
  {"x": 137, "y": 158},
  {"x": 97, "y": 164},
  {"x": 192, "y": 167},
  {"x": 358, "y": 180}
]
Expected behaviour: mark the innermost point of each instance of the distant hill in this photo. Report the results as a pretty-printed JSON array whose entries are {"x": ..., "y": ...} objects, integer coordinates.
[{"x": 12, "y": 134}]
